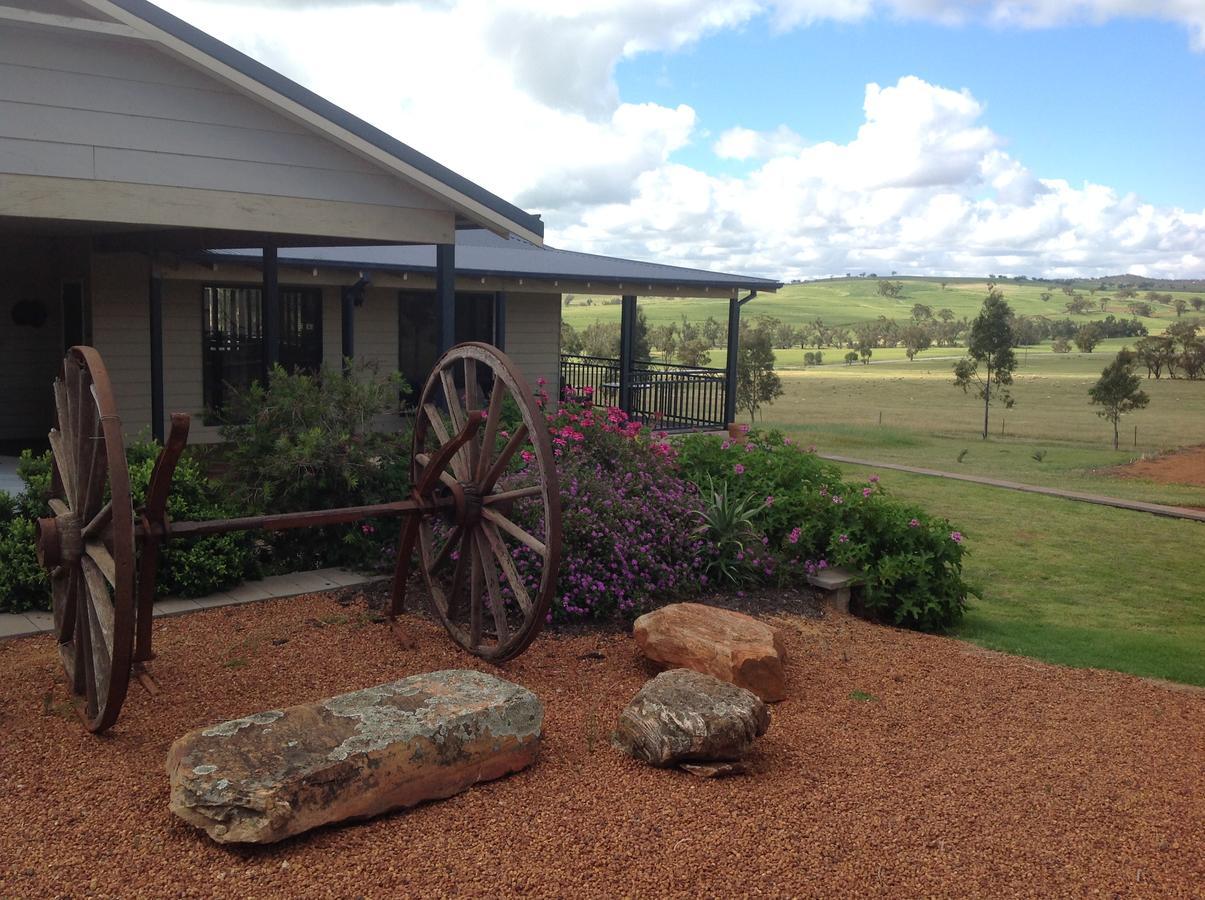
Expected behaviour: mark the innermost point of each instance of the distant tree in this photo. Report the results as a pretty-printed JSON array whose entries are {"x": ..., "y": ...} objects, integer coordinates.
[
  {"x": 1103, "y": 302},
  {"x": 1087, "y": 337},
  {"x": 756, "y": 381},
  {"x": 916, "y": 340},
  {"x": 851, "y": 357},
  {"x": 990, "y": 345},
  {"x": 1045, "y": 295},
  {"x": 922, "y": 312},
  {"x": 1197, "y": 303},
  {"x": 1060, "y": 345},
  {"x": 1139, "y": 308},
  {"x": 1180, "y": 305},
  {"x": 945, "y": 314},
  {"x": 665, "y": 338},
  {"x": 571, "y": 339},
  {"x": 1156, "y": 352},
  {"x": 890, "y": 288},
  {"x": 1118, "y": 391},
  {"x": 865, "y": 353},
  {"x": 694, "y": 352},
  {"x": 1078, "y": 305},
  {"x": 601, "y": 339},
  {"x": 1125, "y": 292},
  {"x": 569, "y": 298},
  {"x": 714, "y": 331},
  {"x": 943, "y": 285}
]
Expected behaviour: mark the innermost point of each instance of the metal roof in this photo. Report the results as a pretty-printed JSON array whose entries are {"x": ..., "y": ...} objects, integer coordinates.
[
  {"x": 482, "y": 253},
  {"x": 274, "y": 81}
]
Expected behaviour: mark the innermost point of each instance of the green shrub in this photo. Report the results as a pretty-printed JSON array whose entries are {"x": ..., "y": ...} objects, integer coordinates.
[
  {"x": 811, "y": 519},
  {"x": 307, "y": 442},
  {"x": 23, "y": 582}
]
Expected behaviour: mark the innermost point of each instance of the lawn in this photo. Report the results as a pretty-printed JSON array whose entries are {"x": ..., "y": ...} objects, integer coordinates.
[{"x": 1072, "y": 583}]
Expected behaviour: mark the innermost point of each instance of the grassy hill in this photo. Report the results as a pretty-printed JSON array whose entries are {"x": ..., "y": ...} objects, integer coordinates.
[{"x": 844, "y": 301}]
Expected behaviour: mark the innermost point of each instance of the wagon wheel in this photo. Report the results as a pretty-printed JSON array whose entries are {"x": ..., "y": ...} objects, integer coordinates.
[
  {"x": 491, "y": 561},
  {"x": 88, "y": 544}
]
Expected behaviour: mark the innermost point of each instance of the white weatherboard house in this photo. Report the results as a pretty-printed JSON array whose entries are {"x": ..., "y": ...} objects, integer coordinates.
[{"x": 140, "y": 159}]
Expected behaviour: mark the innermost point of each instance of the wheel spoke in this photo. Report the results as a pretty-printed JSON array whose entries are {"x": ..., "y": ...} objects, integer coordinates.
[
  {"x": 100, "y": 644},
  {"x": 444, "y": 436},
  {"x": 446, "y": 552},
  {"x": 100, "y": 555},
  {"x": 99, "y": 601},
  {"x": 515, "y": 531},
  {"x": 498, "y": 546},
  {"x": 512, "y": 447},
  {"x": 85, "y": 673},
  {"x": 424, "y": 460},
  {"x": 58, "y": 507},
  {"x": 517, "y": 494},
  {"x": 472, "y": 407},
  {"x": 63, "y": 594},
  {"x": 63, "y": 459},
  {"x": 99, "y": 521},
  {"x": 493, "y": 421},
  {"x": 455, "y": 410},
  {"x": 458, "y": 575},
  {"x": 497, "y": 604},
  {"x": 475, "y": 603}
]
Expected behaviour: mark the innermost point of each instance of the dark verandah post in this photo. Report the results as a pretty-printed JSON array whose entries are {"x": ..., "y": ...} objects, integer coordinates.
[
  {"x": 445, "y": 295},
  {"x": 155, "y": 296},
  {"x": 500, "y": 320},
  {"x": 271, "y": 310},
  {"x": 627, "y": 350},
  {"x": 734, "y": 343}
]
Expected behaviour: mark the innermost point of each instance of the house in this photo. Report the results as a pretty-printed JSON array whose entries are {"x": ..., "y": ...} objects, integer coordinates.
[{"x": 196, "y": 217}]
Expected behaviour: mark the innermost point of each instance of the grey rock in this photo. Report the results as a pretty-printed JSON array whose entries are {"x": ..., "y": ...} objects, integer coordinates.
[
  {"x": 280, "y": 772},
  {"x": 686, "y": 716}
]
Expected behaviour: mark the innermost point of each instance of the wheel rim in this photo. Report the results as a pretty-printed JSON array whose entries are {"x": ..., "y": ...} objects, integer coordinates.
[
  {"x": 491, "y": 562},
  {"x": 88, "y": 544}
]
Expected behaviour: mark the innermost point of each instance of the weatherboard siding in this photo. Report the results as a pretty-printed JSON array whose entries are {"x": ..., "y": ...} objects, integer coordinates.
[
  {"x": 111, "y": 110},
  {"x": 533, "y": 335},
  {"x": 121, "y": 333}
]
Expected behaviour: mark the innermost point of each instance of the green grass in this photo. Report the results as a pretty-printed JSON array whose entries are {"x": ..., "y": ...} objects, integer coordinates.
[
  {"x": 848, "y": 300},
  {"x": 1072, "y": 583}
]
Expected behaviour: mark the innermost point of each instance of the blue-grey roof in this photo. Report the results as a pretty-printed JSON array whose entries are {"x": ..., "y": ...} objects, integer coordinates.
[
  {"x": 482, "y": 253},
  {"x": 273, "y": 80}
]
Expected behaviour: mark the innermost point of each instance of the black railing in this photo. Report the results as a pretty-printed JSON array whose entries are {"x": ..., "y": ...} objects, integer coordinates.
[{"x": 665, "y": 396}]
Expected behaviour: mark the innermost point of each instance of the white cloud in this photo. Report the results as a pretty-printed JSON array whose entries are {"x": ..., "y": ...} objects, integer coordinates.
[{"x": 520, "y": 97}]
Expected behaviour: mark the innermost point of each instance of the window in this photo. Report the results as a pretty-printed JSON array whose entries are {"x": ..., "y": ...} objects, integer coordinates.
[
  {"x": 418, "y": 331},
  {"x": 233, "y": 337}
]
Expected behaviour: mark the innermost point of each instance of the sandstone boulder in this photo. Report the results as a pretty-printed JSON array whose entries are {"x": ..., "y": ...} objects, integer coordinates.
[
  {"x": 684, "y": 716},
  {"x": 278, "y": 773},
  {"x": 729, "y": 645}
]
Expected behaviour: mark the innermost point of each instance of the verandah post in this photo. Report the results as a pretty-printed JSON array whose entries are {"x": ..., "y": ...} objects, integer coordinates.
[
  {"x": 445, "y": 294},
  {"x": 271, "y": 310},
  {"x": 155, "y": 297},
  {"x": 734, "y": 344},
  {"x": 627, "y": 350}
]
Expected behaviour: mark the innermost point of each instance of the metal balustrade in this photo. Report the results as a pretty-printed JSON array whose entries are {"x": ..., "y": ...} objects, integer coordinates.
[{"x": 664, "y": 396}]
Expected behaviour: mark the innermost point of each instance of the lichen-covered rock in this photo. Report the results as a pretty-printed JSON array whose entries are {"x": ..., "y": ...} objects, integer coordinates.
[
  {"x": 685, "y": 716},
  {"x": 278, "y": 773}
]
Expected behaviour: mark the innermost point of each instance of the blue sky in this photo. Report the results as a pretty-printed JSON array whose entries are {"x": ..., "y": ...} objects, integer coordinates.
[
  {"x": 789, "y": 138},
  {"x": 1121, "y": 104}
]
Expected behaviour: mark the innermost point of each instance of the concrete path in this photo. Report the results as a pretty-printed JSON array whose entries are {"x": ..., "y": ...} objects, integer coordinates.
[
  {"x": 270, "y": 588},
  {"x": 1157, "y": 509}
]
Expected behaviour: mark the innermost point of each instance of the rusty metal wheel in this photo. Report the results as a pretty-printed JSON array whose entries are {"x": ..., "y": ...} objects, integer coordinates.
[
  {"x": 88, "y": 544},
  {"x": 491, "y": 561}
]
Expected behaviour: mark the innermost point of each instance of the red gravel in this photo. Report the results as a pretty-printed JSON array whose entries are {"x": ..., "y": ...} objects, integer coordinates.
[{"x": 967, "y": 773}]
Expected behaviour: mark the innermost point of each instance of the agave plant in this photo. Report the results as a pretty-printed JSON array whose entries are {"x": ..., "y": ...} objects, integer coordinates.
[{"x": 727, "y": 522}]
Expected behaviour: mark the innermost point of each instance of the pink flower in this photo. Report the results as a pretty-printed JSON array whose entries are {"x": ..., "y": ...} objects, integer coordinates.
[
  {"x": 866, "y": 492},
  {"x": 770, "y": 500},
  {"x": 786, "y": 442},
  {"x": 725, "y": 445},
  {"x": 843, "y": 539},
  {"x": 738, "y": 469},
  {"x": 874, "y": 479},
  {"x": 956, "y": 537},
  {"x": 744, "y": 429},
  {"x": 915, "y": 523},
  {"x": 749, "y": 448},
  {"x": 793, "y": 537},
  {"x": 838, "y": 499},
  {"x": 541, "y": 381}
]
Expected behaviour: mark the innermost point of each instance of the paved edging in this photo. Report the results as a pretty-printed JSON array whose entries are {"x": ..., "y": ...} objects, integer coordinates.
[
  {"x": 273, "y": 587},
  {"x": 1156, "y": 509}
]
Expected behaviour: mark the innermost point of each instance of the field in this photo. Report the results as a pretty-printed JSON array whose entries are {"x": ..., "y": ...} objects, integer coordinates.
[
  {"x": 1065, "y": 582},
  {"x": 848, "y": 300}
]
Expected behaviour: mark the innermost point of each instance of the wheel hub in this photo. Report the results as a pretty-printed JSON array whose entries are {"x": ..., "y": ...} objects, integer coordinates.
[{"x": 59, "y": 541}]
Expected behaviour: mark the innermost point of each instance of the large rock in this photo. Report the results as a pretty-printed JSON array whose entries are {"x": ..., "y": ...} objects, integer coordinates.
[
  {"x": 685, "y": 716},
  {"x": 729, "y": 645},
  {"x": 282, "y": 772}
]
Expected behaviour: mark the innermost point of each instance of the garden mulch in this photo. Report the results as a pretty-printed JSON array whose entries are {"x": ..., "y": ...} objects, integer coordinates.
[
  {"x": 901, "y": 764},
  {"x": 1185, "y": 466}
]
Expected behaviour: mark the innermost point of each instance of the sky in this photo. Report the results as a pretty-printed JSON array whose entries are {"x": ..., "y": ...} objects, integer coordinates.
[{"x": 789, "y": 138}]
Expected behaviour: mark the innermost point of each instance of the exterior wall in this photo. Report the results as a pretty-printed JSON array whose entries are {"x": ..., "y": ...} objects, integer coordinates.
[
  {"x": 121, "y": 333},
  {"x": 103, "y": 110},
  {"x": 533, "y": 335}
]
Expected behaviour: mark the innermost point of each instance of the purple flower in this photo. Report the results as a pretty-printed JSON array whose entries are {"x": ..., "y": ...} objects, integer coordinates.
[
  {"x": 738, "y": 469},
  {"x": 725, "y": 445},
  {"x": 843, "y": 539},
  {"x": 793, "y": 537},
  {"x": 838, "y": 499},
  {"x": 874, "y": 479},
  {"x": 770, "y": 500},
  {"x": 956, "y": 537},
  {"x": 915, "y": 523},
  {"x": 866, "y": 492}
]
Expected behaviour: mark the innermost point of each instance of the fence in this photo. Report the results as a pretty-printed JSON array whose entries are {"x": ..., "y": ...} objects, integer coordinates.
[{"x": 665, "y": 396}]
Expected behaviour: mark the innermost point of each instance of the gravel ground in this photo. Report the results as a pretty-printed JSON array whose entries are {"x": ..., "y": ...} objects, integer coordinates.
[{"x": 901, "y": 765}]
